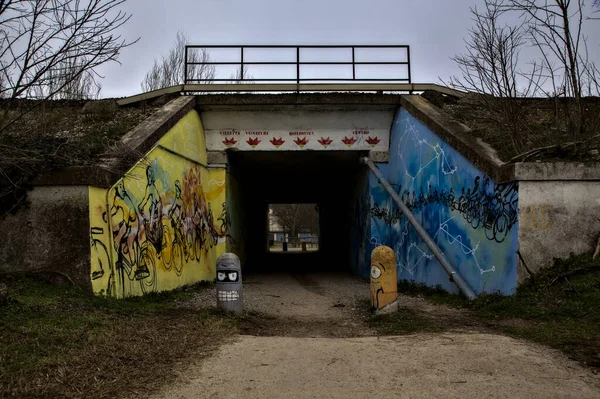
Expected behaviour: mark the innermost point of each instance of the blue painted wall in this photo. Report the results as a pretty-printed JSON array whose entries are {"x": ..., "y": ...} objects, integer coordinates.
[{"x": 473, "y": 220}]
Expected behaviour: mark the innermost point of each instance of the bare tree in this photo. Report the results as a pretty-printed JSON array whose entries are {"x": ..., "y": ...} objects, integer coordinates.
[
  {"x": 241, "y": 76},
  {"x": 490, "y": 67},
  {"x": 555, "y": 28},
  {"x": 562, "y": 70},
  {"x": 170, "y": 70},
  {"x": 294, "y": 218},
  {"x": 46, "y": 45},
  {"x": 74, "y": 85}
]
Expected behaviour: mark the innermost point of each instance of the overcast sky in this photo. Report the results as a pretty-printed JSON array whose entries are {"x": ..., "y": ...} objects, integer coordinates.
[{"x": 433, "y": 28}]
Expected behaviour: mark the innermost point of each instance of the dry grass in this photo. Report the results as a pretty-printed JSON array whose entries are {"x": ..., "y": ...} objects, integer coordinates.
[
  {"x": 57, "y": 341},
  {"x": 543, "y": 124},
  {"x": 56, "y": 135},
  {"x": 558, "y": 309}
]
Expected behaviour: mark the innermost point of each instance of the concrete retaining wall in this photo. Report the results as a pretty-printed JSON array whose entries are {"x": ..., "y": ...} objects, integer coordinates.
[
  {"x": 559, "y": 211},
  {"x": 50, "y": 233}
]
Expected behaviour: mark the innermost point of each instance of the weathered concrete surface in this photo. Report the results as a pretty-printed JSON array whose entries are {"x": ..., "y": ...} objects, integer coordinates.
[
  {"x": 336, "y": 124},
  {"x": 52, "y": 232},
  {"x": 379, "y": 156},
  {"x": 555, "y": 219},
  {"x": 207, "y": 101},
  {"x": 145, "y": 135},
  {"x": 543, "y": 171},
  {"x": 416, "y": 366},
  {"x": 216, "y": 157}
]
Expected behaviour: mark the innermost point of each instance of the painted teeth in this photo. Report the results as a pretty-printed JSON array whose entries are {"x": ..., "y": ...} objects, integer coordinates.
[{"x": 227, "y": 296}]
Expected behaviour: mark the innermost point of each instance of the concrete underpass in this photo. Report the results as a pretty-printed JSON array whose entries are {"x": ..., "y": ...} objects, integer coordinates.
[{"x": 331, "y": 179}]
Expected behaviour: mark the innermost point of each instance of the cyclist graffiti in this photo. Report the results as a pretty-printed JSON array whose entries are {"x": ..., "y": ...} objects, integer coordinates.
[
  {"x": 470, "y": 217},
  {"x": 155, "y": 229},
  {"x": 494, "y": 210}
]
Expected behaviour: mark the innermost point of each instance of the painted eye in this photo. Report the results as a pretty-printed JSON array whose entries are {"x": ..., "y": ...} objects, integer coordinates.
[
  {"x": 221, "y": 276},
  {"x": 232, "y": 276},
  {"x": 375, "y": 272}
]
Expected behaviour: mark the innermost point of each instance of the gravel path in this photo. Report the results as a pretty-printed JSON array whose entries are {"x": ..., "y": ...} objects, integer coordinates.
[{"x": 308, "y": 339}]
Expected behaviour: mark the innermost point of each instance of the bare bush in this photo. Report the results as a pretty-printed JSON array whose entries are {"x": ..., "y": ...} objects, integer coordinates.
[
  {"x": 555, "y": 27},
  {"x": 170, "y": 70},
  {"x": 294, "y": 218},
  {"x": 561, "y": 71},
  {"x": 490, "y": 68}
]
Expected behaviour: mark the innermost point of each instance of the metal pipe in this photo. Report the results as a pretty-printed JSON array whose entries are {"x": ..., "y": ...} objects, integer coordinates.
[{"x": 437, "y": 252}]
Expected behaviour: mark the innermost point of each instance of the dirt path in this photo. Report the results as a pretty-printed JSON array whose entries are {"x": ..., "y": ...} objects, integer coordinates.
[{"x": 307, "y": 338}]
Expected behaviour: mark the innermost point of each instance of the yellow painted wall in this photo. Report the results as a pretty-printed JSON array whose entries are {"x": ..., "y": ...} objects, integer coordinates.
[
  {"x": 163, "y": 218},
  {"x": 183, "y": 138},
  {"x": 102, "y": 267}
]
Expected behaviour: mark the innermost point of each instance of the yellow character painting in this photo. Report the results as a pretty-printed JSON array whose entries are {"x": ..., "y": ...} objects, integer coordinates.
[{"x": 384, "y": 287}]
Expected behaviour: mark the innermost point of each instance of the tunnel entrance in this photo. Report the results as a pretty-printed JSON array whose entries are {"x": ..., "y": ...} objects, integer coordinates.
[{"x": 332, "y": 181}]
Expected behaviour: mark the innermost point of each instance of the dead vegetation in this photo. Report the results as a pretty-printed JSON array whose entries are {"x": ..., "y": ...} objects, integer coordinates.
[
  {"x": 543, "y": 130},
  {"x": 59, "y": 134},
  {"x": 58, "y": 341},
  {"x": 540, "y": 108}
]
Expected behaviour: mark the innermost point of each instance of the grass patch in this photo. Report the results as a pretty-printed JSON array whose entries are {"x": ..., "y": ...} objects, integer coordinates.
[
  {"x": 403, "y": 322},
  {"x": 59, "y": 341},
  {"x": 560, "y": 308}
]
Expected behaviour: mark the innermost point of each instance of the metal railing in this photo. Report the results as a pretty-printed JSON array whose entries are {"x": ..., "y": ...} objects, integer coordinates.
[{"x": 302, "y": 57}]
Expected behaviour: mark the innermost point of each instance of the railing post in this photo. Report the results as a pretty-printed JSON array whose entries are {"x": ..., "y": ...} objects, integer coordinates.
[
  {"x": 185, "y": 66},
  {"x": 242, "y": 63},
  {"x": 353, "y": 65},
  {"x": 408, "y": 61},
  {"x": 298, "y": 68}
]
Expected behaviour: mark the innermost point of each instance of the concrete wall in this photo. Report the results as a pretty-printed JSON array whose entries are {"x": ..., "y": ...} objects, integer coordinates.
[
  {"x": 472, "y": 219},
  {"x": 360, "y": 233},
  {"x": 51, "y": 232},
  {"x": 558, "y": 212},
  {"x": 294, "y": 130},
  {"x": 163, "y": 224},
  {"x": 235, "y": 221}
]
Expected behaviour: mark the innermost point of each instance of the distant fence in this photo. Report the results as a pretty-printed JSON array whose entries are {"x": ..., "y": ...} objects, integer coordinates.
[{"x": 276, "y": 238}]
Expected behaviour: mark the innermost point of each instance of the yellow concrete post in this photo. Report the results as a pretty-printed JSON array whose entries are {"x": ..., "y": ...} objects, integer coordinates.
[{"x": 384, "y": 284}]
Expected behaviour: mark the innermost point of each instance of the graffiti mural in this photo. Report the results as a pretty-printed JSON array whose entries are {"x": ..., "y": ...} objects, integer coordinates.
[
  {"x": 158, "y": 223},
  {"x": 471, "y": 218},
  {"x": 495, "y": 211}
]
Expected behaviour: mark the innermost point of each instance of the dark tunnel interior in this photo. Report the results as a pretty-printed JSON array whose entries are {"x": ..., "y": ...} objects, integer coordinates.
[{"x": 330, "y": 179}]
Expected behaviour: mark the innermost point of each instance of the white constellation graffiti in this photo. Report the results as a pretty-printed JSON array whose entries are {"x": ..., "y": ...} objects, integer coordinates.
[
  {"x": 451, "y": 239},
  {"x": 411, "y": 132}
]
